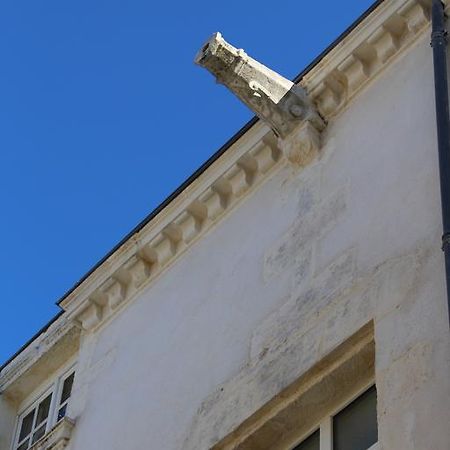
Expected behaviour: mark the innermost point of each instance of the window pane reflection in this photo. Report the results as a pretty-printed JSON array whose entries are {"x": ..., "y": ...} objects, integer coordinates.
[
  {"x": 62, "y": 412},
  {"x": 43, "y": 410},
  {"x": 311, "y": 443},
  {"x": 38, "y": 434},
  {"x": 24, "y": 446},
  {"x": 355, "y": 427},
  {"x": 67, "y": 388},
  {"x": 27, "y": 423}
]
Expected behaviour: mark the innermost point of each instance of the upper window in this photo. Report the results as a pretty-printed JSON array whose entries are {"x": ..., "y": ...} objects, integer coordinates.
[
  {"x": 44, "y": 412},
  {"x": 352, "y": 428}
]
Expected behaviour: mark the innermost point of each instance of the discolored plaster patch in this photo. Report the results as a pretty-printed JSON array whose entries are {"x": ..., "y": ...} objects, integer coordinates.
[
  {"x": 302, "y": 332},
  {"x": 293, "y": 254},
  {"x": 302, "y": 309}
]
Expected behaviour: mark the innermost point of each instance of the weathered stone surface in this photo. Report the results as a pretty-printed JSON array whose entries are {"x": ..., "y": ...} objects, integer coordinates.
[
  {"x": 56, "y": 439},
  {"x": 315, "y": 219},
  {"x": 299, "y": 334},
  {"x": 276, "y": 100}
]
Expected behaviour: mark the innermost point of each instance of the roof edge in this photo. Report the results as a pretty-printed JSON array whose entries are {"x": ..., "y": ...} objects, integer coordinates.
[{"x": 317, "y": 91}]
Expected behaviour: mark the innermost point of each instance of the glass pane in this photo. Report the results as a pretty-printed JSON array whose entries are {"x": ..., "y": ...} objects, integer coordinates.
[
  {"x": 62, "y": 412},
  {"x": 38, "y": 434},
  {"x": 355, "y": 427},
  {"x": 24, "y": 445},
  {"x": 67, "y": 388},
  {"x": 43, "y": 410},
  {"x": 27, "y": 423},
  {"x": 311, "y": 443}
]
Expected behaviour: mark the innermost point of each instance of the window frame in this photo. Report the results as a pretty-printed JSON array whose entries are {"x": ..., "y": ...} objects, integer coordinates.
[
  {"x": 32, "y": 402},
  {"x": 30, "y": 408},
  {"x": 59, "y": 383},
  {"x": 335, "y": 376},
  {"x": 325, "y": 425}
]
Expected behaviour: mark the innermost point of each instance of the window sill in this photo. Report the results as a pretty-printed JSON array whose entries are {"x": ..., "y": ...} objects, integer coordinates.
[
  {"x": 57, "y": 438},
  {"x": 374, "y": 447}
]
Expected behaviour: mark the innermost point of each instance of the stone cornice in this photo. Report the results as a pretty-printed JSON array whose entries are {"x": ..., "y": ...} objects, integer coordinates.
[
  {"x": 341, "y": 74},
  {"x": 360, "y": 56},
  {"x": 203, "y": 204},
  {"x": 41, "y": 346},
  {"x": 365, "y": 52}
]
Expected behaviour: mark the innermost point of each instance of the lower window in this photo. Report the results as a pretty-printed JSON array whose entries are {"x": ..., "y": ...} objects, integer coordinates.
[
  {"x": 43, "y": 413},
  {"x": 352, "y": 428},
  {"x": 34, "y": 423},
  {"x": 331, "y": 406}
]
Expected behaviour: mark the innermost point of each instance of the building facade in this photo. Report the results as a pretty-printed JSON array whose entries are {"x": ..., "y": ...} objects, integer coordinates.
[{"x": 291, "y": 294}]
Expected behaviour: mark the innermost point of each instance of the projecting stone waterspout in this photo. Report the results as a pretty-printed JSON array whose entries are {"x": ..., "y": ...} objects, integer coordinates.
[
  {"x": 277, "y": 101},
  {"x": 284, "y": 106}
]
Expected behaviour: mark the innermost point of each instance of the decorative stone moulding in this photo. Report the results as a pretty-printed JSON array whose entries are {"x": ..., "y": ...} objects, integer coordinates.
[
  {"x": 42, "y": 346},
  {"x": 346, "y": 69},
  {"x": 57, "y": 438},
  {"x": 155, "y": 252},
  {"x": 338, "y": 77},
  {"x": 302, "y": 145}
]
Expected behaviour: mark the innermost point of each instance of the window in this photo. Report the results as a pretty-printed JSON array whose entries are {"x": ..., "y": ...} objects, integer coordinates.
[
  {"x": 310, "y": 443},
  {"x": 34, "y": 422},
  {"x": 66, "y": 390},
  {"x": 44, "y": 413},
  {"x": 336, "y": 392},
  {"x": 355, "y": 427},
  {"x": 352, "y": 428}
]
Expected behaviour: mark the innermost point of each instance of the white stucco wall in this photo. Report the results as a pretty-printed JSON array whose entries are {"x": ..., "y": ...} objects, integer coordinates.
[
  {"x": 7, "y": 419},
  {"x": 308, "y": 259}
]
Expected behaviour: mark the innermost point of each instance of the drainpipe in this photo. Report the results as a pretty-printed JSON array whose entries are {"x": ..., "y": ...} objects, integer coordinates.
[{"x": 439, "y": 44}]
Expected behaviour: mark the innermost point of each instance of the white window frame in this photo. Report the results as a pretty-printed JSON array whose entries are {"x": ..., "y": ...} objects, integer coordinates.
[
  {"x": 32, "y": 402},
  {"x": 30, "y": 408},
  {"x": 325, "y": 426},
  {"x": 59, "y": 383}
]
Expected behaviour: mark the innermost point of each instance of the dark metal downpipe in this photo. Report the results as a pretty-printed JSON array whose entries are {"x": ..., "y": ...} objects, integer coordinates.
[{"x": 439, "y": 44}]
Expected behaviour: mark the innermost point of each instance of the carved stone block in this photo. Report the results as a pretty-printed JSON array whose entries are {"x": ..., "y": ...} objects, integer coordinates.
[
  {"x": 302, "y": 146},
  {"x": 274, "y": 99}
]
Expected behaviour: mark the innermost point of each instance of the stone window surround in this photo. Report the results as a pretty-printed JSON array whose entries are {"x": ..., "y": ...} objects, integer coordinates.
[
  {"x": 326, "y": 424},
  {"x": 57, "y": 438},
  {"x": 310, "y": 402},
  {"x": 54, "y": 428}
]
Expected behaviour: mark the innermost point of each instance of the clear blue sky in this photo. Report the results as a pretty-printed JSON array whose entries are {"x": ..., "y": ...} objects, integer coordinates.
[{"x": 103, "y": 114}]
